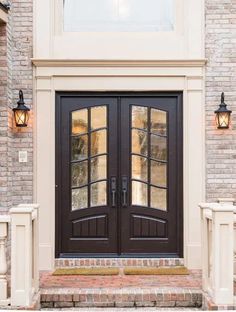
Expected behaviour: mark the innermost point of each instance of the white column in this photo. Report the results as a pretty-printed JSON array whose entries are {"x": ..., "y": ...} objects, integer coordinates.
[
  {"x": 21, "y": 256},
  {"x": 4, "y": 220},
  {"x": 222, "y": 253}
]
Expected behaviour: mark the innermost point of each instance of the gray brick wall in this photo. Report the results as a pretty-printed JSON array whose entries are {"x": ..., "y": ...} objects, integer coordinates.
[
  {"x": 220, "y": 76},
  {"x": 16, "y": 179},
  {"x": 4, "y": 198}
]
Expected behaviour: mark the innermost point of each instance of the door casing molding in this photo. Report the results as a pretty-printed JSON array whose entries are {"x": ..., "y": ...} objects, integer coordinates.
[{"x": 189, "y": 80}]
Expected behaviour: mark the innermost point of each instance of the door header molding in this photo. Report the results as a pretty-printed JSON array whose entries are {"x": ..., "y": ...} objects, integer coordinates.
[{"x": 118, "y": 63}]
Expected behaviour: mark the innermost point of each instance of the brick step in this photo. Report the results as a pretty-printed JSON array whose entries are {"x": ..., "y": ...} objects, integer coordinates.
[
  {"x": 117, "y": 262},
  {"x": 151, "y": 309},
  {"x": 120, "y": 297}
]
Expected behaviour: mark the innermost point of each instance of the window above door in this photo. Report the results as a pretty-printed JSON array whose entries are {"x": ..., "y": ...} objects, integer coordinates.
[
  {"x": 118, "y": 15},
  {"x": 119, "y": 29}
]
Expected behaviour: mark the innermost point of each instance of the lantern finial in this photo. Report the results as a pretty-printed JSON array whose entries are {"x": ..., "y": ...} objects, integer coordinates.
[
  {"x": 222, "y": 98},
  {"x": 21, "y": 98}
]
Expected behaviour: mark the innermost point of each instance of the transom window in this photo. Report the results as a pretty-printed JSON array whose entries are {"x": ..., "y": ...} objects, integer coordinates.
[{"x": 118, "y": 15}]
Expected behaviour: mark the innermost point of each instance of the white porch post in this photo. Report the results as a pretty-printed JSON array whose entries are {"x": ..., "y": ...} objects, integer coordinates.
[
  {"x": 222, "y": 253},
  {"x": 21, "y": 256},
  {"x": 4, "y": 220}
]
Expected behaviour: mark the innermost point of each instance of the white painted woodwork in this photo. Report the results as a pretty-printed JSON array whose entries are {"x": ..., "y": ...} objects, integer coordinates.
[
  {"x": 4, "y": 220},
  {"x": 24, "y": 254},
  {"x": 121, "y": 75},
  {"x": 218, "y": 251},
  {"x": 186, "y": 41}
]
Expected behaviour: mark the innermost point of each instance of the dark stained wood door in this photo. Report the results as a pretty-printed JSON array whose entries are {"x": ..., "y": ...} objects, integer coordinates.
[
  {"x": 119, "y": 174},
  {"x": 151, "y": 167}
]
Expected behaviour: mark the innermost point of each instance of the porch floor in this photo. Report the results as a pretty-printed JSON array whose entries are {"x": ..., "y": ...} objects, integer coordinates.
[
  {"x": 193, "y": 281},
  {"x": 121, "y": 291}
]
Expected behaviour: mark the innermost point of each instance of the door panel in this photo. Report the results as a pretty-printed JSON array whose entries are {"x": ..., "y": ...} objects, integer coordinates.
[
  {"x": 87, "y": 153},
  {"x": 119, "y": 174},
  {"x": 150, "y": 160}
]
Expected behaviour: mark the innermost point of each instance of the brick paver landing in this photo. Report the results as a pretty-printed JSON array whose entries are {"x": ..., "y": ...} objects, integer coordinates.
[{"x": 193, "y": 281}]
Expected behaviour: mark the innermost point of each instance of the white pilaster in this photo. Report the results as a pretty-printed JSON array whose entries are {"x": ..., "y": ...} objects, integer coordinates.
[
  {"x": 21, "y": 256},
  {"x": 222, "y": 254}
]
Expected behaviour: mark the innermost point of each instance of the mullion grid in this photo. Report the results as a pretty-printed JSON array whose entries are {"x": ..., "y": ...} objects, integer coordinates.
[{"x": 89, "y": 158}]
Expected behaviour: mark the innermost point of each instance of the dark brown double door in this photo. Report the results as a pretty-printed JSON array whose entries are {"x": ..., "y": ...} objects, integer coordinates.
[{"x": 119, "y": 174}]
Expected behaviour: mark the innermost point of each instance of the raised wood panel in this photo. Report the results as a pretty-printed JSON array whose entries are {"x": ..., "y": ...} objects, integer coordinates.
[
  {"x": 96, "y": 227},
  {"x": 147, "y": 227}
]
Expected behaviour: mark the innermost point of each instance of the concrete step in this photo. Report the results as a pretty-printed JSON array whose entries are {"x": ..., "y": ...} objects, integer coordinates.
[
  {"x": 117, "y": 262},
  {"x": 129, "y": 297}
]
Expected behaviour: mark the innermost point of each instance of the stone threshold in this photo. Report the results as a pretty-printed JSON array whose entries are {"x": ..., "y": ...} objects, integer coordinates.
[
  {"x": 117, "y": 262},
  {"x": 126, "y": 297}
]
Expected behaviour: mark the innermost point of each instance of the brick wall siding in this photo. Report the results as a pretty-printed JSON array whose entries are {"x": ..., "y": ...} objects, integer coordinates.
[
  {"x": 16, "y": 179},
  {"x": 220, "y": 76},
  {"x": 4, "y": 118}
]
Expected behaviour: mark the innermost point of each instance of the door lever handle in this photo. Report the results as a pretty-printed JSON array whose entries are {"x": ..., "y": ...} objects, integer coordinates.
[
  {"x": 113, "y": 191},
  {"x": 124, "y": 190}
]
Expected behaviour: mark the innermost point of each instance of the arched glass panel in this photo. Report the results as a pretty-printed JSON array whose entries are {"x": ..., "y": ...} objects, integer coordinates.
[
  {"x": 88, "y": 167},
  {"x": 149, "y": 157}
]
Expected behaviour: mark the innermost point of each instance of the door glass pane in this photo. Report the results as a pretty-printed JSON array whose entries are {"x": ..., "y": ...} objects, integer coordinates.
[
  {"x": 98, "y": 117},
  {"x": 79, "y": 147},
  {"x": 139, "y": 168},
  {"x": 158, "y": 147},
  {"x": 79, "y": 174},
  {"x": 98, "y": 168},
  {"x": 79, "y": 121},
  {"x": 139, "y": 142},
  {"x": 79, "y": 198},
  {"x": 98, "y": 142},
  {"x": 139, "y": 117},
  {"x": 98, "y": 194},
  {"x": 158, "y": 122},
  {"x": 158, "y": 198},
  {"x": 139, "y": 193},
  {"x": 118, "y": 15},
  {"x": 158, "y": 173}
]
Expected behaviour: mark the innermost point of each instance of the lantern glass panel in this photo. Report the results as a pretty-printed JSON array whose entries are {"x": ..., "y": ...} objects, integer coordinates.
[
  {"x": 21, "y": 118},
  {"x": 223, "y": 119}
]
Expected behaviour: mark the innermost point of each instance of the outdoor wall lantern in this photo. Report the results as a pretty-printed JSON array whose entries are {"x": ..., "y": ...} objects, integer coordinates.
[
  {"x": 21, "y": 112},
  {"x": 223, "y": 114}
]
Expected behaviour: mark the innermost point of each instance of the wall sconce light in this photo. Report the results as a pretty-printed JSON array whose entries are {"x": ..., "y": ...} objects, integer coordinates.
[
  {"x": 223, "y": 114},
  {"x": 21, "y": 112}
]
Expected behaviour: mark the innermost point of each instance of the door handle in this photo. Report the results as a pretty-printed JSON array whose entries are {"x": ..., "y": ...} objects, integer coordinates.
[
  {"x": 124, "y": 190},
  {"x": 113, "y": 191}
]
